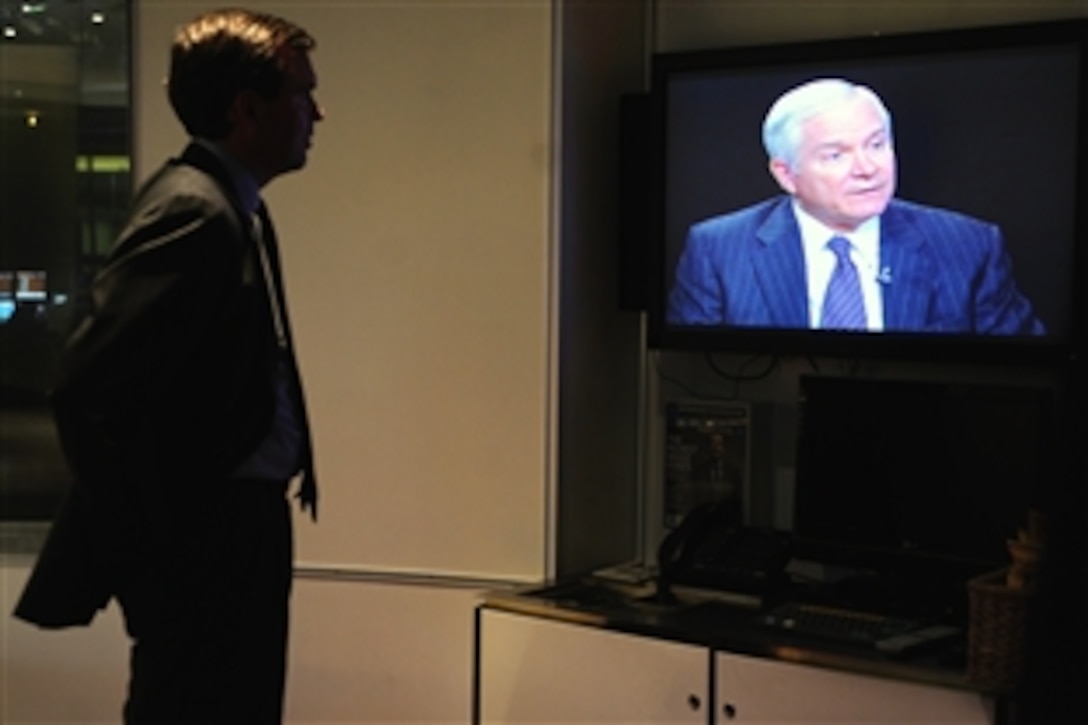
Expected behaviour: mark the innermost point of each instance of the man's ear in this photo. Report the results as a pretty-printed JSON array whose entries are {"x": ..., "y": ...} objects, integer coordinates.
[
  {"x": 780, "y": 170},
  {"x": 245, "y": 110}
]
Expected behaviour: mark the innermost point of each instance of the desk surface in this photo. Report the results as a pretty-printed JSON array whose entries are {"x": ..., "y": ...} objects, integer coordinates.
[{"x": 728, "y": 626}]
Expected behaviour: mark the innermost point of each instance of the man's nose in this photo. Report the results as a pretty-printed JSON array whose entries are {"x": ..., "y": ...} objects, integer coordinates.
[{"x": 864, "y": 163}]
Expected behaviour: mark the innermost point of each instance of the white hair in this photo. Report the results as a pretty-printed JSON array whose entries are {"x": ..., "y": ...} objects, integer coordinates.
[{"x": 782, "y": 126}]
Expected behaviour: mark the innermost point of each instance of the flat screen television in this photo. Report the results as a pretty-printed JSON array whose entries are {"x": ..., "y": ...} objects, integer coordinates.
[{"x": 989, "y": 123}]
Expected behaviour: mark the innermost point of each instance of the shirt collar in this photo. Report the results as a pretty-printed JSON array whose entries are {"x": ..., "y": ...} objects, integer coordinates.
[
  {"x": 815, "y": 234},
  {"x": 244, "y": 183}
]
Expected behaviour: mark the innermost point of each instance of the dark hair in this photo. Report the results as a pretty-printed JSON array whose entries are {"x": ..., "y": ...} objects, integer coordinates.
[{"x": 222, "y": 53}]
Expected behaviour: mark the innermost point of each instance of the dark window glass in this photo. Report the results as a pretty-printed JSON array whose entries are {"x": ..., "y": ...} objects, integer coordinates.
[{"x": 65, "y": 186}]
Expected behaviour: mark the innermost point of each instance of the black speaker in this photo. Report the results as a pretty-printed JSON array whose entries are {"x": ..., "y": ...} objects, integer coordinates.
[{"x": 638, "y": 178}]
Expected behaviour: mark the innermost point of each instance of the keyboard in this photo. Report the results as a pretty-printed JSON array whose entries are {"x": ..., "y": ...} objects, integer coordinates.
[{"x": 894, "y": 635}]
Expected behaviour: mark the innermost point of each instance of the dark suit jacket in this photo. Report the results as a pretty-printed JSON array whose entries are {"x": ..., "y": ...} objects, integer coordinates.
[
  {"x": 948, "y": 273},
  {"x": 164, "y": 389}
]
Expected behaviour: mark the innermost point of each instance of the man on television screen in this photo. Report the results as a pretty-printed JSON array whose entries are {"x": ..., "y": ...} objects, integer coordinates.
[{"x": 837, "y": 251}]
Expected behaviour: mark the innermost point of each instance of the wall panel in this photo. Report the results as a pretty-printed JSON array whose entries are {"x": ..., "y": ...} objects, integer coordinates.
[{"x": 417, "y": 251}]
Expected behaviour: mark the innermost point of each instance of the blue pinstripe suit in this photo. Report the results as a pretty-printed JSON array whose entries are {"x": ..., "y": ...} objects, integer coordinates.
[{"x": 949, "y": 273}]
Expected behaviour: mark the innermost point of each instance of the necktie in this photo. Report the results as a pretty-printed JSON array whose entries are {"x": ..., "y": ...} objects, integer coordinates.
[
  {"x": 269, "y": 269},
  {"x": 844, "y": 308}
]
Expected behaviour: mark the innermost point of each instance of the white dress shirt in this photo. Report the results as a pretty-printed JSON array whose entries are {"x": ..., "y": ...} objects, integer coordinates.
[{"x": 820, "y": 262}]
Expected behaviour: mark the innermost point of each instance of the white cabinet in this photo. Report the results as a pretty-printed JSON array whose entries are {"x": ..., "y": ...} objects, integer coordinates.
[
  {"x": 540, "y": 670},
  {"x": 770, "y": 692},
  {"x": 537, "y": 670}
]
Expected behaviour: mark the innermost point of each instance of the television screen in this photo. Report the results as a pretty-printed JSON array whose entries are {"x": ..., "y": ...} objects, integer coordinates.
[{"x": 949, "y": 164}]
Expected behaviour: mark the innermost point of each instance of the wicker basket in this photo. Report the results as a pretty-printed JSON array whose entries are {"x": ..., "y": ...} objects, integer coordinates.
[{"x": 996, "y": 632}]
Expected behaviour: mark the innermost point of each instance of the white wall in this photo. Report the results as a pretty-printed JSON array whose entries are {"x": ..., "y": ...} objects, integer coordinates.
[
  {"x": 380, "y": 653},
  {"x": 69, "y": 676},
  {"x": 359, "y": 652},
  {"x": 417, "y": 257}
]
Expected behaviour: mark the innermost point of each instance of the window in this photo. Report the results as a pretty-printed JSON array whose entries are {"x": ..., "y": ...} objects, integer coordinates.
[{"x": 65, "y": 187}]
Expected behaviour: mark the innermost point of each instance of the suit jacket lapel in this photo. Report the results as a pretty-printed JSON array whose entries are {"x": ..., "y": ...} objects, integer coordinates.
[
  {"x": 908, "y": 272},
  {"x": 201, "y": 158},
  {"x": 779, "y": 266}
]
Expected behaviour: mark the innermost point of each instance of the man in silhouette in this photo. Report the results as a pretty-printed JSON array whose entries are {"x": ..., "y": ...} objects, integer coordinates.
[{"x": 179, "y": 404}]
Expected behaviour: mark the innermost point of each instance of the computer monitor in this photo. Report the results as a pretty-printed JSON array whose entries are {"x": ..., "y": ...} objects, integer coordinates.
[{"x": 894, "y": 474}]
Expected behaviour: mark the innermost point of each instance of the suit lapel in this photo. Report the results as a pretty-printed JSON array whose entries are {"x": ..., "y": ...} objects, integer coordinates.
[
  {"x": 780, "y": 268},
  {"x": 204, "y": 160},
  {"x": 909, "y": 272}
]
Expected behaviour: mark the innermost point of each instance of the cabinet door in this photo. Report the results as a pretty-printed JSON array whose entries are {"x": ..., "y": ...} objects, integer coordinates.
[
  {"x": 541, "y": 671},
  {"x": 767, "y": 691}
]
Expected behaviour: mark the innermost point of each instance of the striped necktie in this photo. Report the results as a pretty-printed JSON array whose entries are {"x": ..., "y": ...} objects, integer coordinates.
[{"x": 844, "y": 308}]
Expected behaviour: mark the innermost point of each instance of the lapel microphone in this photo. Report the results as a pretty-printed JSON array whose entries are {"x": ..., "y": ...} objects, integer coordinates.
[{"x": 885, "y": 276}]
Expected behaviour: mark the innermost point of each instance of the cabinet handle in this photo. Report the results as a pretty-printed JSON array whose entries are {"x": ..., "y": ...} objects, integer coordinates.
[
  {"x": 729, "y": 710},
  {"x": 694, "y": 702}
]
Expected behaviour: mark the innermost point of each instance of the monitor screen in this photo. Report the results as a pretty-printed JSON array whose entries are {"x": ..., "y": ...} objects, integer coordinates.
[
  {"x": 893, "y": 472},
  {"x": 952, "y": 163}
]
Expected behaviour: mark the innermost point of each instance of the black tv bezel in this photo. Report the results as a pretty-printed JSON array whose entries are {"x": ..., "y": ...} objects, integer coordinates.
[{"x": 905, "y": 346}]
